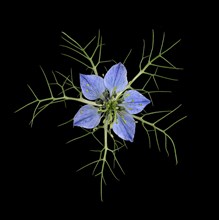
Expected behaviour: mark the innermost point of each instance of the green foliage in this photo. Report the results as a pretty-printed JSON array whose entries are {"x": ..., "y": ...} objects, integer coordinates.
[{"x": 149, "y": 66}]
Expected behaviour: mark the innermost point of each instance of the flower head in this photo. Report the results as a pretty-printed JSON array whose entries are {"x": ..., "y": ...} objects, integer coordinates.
[{"x": 117, "y": 104}]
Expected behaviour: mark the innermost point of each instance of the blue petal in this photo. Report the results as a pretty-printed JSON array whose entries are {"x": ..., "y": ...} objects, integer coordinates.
[
  {"x": 115, "y": 79},
  {"x": 87, "y": 117},
  {"x": 92, "y": 86},
  {"x": 134, "y": 102},
  {"x": 124, "y": 126}
]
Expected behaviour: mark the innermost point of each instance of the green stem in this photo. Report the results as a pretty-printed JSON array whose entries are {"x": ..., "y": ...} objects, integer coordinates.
[
  {"x": 78, "y": 46},
  {"x": 93, "y": 66},
  {"x": 150, "y": 62},
  {"x": 162, "y": 131},
  {"x": 53, "y": 99},
  {"x": 81, "y": 100},
  {"x": 104, "y": 157},
  {"x": 143, "y": 70}
]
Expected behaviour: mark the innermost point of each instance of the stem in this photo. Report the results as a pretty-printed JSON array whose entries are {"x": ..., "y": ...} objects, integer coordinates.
[
  {"x": 104, "y": 157},
  {"x": 53, "y": 99},
  {"x": 139, "y": 74},
  {"x": 162, "y": 131},
  {"x": 75, "y": 44},
  {"x": 81, "y": 100},
  {"x": 150, "y": 61},
  {"x": 143, "y": 70}
]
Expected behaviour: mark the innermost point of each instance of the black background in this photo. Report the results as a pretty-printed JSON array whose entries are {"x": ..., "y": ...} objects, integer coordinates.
[{"x": 40, "y": 167}]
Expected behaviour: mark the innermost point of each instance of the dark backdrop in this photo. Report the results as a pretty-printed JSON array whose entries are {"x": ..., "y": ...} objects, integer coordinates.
[{"x": 41, "y": 168}]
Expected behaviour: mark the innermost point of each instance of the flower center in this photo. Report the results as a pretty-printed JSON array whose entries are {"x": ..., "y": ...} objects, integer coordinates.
[{"x": 109, "y": 105}]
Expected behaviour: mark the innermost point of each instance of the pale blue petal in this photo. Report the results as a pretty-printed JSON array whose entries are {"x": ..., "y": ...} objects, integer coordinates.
[
  {"x": 124, "y": 126},
  {"x": 134, "y": 102},
  {"x": 92, "y": 86},
  {"x": 115, "y": 79},
  {"x": 87, "y": 117}
]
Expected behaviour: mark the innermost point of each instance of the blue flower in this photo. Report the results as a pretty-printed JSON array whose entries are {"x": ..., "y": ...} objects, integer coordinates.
[{"x": 116, "y": 103}]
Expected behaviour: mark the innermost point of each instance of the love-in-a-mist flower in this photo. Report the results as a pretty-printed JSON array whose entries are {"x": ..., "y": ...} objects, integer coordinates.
[{"x": 116, "y": 103}]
